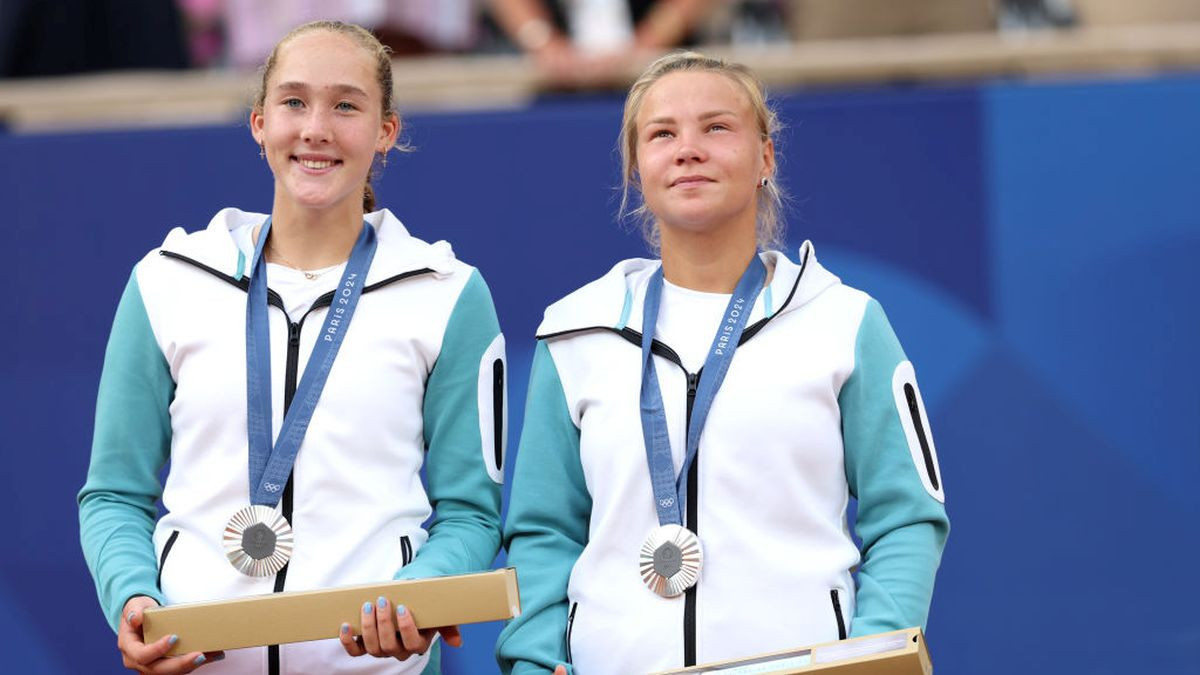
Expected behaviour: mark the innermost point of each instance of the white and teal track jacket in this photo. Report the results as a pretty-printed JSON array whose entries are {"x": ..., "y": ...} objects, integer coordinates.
[
  {"x": 418, "y": 382},
  {"x": 818, "y": 406}
]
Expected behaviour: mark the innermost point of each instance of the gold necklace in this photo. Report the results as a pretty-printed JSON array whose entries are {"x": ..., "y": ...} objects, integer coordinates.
[{"x": 311, "y": 276}]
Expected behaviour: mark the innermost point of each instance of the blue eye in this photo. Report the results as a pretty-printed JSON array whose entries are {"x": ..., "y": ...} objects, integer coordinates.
[
  {"x": 717, "y": 127},
  {"x": 345, "y": 106},
  {"x": 293, "y": 103},
  {"x": 662, "y": 133}
]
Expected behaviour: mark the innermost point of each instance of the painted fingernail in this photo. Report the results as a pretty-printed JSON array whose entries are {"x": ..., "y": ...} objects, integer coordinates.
[
  {"x": 400, "y": 610},
  {"x": 366, "y": 608},
  {"x": 382, "y": 602},
  {"x": 173, "y": 640},
  {"x": 199, "y": 659},
  {"x": 345, "y": 628}
]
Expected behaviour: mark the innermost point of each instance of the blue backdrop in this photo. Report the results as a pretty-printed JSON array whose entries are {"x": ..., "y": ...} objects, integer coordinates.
[{"x": 1032, "y": 243}]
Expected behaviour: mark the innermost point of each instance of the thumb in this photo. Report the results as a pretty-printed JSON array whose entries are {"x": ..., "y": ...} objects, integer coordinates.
[
  {"x": 134, "y": 608},
  {"x": 560, "y": 670}
]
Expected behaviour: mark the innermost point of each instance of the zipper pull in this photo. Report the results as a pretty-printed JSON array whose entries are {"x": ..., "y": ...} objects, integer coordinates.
[
  {"x": 293, "y": 333},
  {"x": 693, "y": 380}
]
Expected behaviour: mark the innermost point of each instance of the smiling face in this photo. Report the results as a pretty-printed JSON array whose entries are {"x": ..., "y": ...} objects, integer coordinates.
[
  {"x": 700, "y": 154},
  {"x": 321, "y": 122}
]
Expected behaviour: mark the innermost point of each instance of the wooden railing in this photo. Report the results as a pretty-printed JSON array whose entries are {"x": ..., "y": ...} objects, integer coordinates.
[{"x": 446, "y": 83}]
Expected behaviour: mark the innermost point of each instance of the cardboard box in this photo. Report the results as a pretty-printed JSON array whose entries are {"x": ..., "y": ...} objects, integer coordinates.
[
  {"x": 298, "y": 616},
  {"x": 901, "y": 652}
]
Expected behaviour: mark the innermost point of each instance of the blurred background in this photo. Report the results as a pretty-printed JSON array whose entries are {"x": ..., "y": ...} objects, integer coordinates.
[{"x": 1015, "y": 180}]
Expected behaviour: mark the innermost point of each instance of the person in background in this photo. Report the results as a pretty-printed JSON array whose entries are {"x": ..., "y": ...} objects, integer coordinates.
[
  {"x": 298, "y": 370},
  {"x": 588, "y": 42},
  {"x": 697, "y": 425},
  {"x": 241, "y": 33}
]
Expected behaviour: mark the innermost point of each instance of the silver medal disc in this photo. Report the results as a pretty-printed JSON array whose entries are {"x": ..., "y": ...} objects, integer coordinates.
[
  {"x": 258, "y": 541},
  {"x": 670, "y": 560}
]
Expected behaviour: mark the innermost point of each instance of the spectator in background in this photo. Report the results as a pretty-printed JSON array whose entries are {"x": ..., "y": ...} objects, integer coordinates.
[
  {"x": 76, "y": 36},
  {"x": 581, "y": 42},
  {"x": 251, "y": 28}
]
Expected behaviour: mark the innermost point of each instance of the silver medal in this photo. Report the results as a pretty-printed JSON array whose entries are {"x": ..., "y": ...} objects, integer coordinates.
[
  {"x": 258, "y": 541},
  {"x": 670, "y": 560}
]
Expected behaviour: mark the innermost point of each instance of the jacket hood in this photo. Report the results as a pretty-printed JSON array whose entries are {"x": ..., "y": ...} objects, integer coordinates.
[
  {"x": 615, "y": 300},
  {"x": 397, "y": 250}
]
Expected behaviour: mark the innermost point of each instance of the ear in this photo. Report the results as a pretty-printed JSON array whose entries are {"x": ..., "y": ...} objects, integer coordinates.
[
  {"x": 256, "y": 126},
  {"x": 388, "y": 131},
  {"x": 768, "y": 157}
]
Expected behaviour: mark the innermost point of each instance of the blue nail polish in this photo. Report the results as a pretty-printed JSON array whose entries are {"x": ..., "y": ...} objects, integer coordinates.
[
  {"x": 173, "y": 640},
  {"x": 400, "y": 610},
  {"x": 199, "y": 659},
  {"x": 382, "y": 602},
  {"x": 345, "y": 628},
  {"x": 366, "y": 608}
]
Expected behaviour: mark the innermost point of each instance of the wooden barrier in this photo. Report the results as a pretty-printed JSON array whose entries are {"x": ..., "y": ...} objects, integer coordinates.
[{"x": 137, "y": 99}]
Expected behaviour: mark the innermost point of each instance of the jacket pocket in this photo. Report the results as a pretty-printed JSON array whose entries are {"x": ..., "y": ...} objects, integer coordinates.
[
  {"x": 837, "y": 613},
  {"x": 162, "y": 559},
  {"x": 406, "y": 551},
  {"x": 570, "y": 625}
]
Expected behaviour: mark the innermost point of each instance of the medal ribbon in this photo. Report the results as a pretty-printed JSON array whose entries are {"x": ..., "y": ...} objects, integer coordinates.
[
  {"x": 670, "y": 493},
  {"x": 270, "y": 465}
]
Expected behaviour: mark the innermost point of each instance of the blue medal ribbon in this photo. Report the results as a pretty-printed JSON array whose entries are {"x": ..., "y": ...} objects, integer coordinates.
[
  {"x": 270, "y": 465},
  {"x": 670, "y": 490}
]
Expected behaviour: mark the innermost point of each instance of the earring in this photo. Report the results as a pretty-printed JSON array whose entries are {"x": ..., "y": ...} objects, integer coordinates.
[
  {"x": 762, "y": 183},
  {"x": 262, "y": 150},
  {"x": 383, "y": 159}
]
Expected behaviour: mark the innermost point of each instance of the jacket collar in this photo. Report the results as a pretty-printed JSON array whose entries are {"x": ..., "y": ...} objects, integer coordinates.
[
  {"x": 397, "y": 250},
  {"x": 615, "y": 300}
]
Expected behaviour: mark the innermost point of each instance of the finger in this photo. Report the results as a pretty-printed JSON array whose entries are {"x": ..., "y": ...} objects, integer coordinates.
[
  {"x": 184, "y": 663},
  {"x": 135, "y": 653},
  {"x": 407, "y": 627},
  {"x": 353, "y": 647},
  {"x": 389, "y": 641},
  {"x": 370, "y": 632},
  {"x": 451, "y": 635},
  {"x": 560, "y": 670},
  {"x": 126, "y": 637},
  {"x": 145, "y": 654}
]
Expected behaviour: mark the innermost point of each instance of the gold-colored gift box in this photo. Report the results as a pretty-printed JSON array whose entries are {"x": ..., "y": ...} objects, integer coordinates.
[
  {"x": 280, "y": 618},
  {"x": 901, "y": 652}
]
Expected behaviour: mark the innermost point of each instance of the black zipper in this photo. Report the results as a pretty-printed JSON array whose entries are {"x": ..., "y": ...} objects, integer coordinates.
[
  {"x": 692, "y": 523},
  {"x": 289, "y": 381},
  {"x": 837, "y": 612},
  {"x": 911, "y": 395},
  {"x": 162, "y": 559},
  {"x": 570, "y": 626},
  {"x": 406, "y": 552}
]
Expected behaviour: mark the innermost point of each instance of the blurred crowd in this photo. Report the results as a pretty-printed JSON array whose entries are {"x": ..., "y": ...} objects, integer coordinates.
[{"x": 571, "y": 41}]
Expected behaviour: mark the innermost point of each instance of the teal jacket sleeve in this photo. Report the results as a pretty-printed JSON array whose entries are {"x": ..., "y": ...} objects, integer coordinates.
[
  {"x": 891, "y": 469},
  {"x": 547, "y": 524},
  {"x": 130, "y": 445},
  {"x": 462, "y": 463}
]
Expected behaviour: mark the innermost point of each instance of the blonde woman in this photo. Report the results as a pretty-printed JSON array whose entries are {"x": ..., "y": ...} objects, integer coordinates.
[
  {"x": 697, "y": 425},
  {"x": 298, "y": 370}
]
